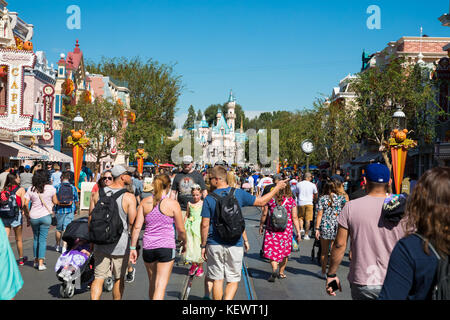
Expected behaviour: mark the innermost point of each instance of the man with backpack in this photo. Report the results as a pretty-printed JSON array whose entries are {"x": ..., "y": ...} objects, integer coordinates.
[
  {"x": 66, "y": 208},
  {"x": 111, "y": 214},
  {"x": 223, "y": 232}
]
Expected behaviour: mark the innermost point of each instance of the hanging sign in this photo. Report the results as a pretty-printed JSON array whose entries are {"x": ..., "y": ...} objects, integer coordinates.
[{"x": 15, "y": 61}]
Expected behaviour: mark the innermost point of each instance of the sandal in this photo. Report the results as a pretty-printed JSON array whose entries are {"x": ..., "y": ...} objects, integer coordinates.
[{"x": 282, "y": 276}]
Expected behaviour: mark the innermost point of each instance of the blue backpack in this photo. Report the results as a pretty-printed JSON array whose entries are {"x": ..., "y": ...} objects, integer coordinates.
[{"x": 8, "y": 204}]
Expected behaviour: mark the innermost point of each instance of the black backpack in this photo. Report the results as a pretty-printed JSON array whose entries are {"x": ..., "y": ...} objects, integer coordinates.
[
  {"x": 279, "y": 218},
  {"x": 8, "y": 204},
  {"x": 65, "y": 194},
  {"x": 228, "y": 221},
  {"x": 441, "y": 285},
  {"x": 106, "y": 226}
]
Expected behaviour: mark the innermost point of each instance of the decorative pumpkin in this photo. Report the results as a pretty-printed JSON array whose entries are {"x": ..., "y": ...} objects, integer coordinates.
[
  {"x": 76, "y": 135},
  {"x": 81, "y": 132},
  {"x": 405, "y": 131},
  {"x": 400, "y": 136},
  {"x": 3, "y": 72},
  {"x": 19, "y": 43},
  {"x": 28, "y": 45},
  {"x": 72, "y": 131}
]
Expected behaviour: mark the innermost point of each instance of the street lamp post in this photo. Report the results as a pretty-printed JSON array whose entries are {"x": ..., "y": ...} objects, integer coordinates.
[
  {"x": 140, "y": 156},
  {"x": 79, "y": 142},
  {"x": 307, "y": 147}
]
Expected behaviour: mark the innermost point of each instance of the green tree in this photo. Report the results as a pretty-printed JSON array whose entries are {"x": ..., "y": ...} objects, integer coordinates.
[
  {"x": 211, "y": 113},
  {"x": 199, "y": 115},
  {"x": 154, "y": 92},
  {"x": 336, "y": 130},
  {"x": 381, "y": 89},
  {"x": 102, "y": 122},
  {"x": 189, "y": 123}
]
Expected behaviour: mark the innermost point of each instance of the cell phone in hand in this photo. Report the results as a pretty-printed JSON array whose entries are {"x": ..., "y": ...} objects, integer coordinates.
[{"x": 333, "y": 285}]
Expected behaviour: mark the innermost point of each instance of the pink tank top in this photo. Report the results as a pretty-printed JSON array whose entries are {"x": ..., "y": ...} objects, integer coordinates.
[{"x": 159, "y": 230}]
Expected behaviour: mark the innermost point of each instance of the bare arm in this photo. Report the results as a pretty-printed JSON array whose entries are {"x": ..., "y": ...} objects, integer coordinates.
[
  {"x": 131, "y": 208},
  {"x": 295, "y": 221},
  {"x": 173, "y": 195},
  {"x": 338, "y": 250},
  {"x": 94, "y": 199},
  {"x": 262, "y": 201},
  {"x": 265, "y": 210},
  {"x": 179, "y": 224},
  {"x": 204, "y": 234}
]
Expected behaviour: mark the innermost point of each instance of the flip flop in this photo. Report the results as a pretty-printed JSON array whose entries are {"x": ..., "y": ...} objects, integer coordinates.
[{"x": 282, "y": 276}]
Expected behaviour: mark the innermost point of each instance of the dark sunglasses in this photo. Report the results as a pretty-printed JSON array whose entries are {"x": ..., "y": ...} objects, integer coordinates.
[{"x": 107, "y": 178}]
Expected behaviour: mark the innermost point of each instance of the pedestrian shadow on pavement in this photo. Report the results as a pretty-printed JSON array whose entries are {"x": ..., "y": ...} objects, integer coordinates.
[
  {"x": 259, "y": 274},
  {"x": 54, "y": 291},
  {"x": 297, "y": 270}
]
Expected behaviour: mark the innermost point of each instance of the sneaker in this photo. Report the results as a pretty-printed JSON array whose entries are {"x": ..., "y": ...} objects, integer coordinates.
[
  {"x": 321, "y": 275},
  {"x": 302, "y": 232},
  {"x": 192, "y": 270},
  {"x": 22, "y": 261},
  {"x": 199, "y": 272},
  {"x": 306, "y": 237},
  {"x": 57, "y": 248},
  {"x": 42, "y": 268},
  {"x": 130, "y": 275}
]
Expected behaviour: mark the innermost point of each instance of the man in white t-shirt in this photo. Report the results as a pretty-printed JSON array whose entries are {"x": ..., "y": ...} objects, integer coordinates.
[
  {"x": 307, "y": 192},
  {"x": 252, "y": 184},
  {"x": 265, "y": 181}
]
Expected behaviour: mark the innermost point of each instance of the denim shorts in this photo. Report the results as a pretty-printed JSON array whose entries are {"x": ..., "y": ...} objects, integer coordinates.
[
  {"x": 17, "y": 221},
  {"x": 63, "y": 220},
  {"x": 360, "y": 292}
]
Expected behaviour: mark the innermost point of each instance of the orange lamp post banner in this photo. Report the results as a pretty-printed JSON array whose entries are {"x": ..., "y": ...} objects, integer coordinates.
[
  {"x": 79, "y": 142},
  {"x": 140, "y": 155},
  {"x": 399, "y": 145}
]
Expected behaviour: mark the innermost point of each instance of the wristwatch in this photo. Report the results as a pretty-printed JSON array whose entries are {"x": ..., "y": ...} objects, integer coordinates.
[
  {"x": 203, "y": 246},
  {"x": 331, "y": 275}
]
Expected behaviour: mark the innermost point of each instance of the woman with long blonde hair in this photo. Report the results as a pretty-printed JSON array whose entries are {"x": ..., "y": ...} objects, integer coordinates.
[{"x": 159, "y": 213}]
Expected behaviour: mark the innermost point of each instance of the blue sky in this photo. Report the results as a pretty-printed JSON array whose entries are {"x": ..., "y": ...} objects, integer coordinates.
[{"x": 275, "y": 55}]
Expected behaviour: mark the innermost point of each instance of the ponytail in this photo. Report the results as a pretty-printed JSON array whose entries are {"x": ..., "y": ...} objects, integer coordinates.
[{"x": 160, "y": 183}]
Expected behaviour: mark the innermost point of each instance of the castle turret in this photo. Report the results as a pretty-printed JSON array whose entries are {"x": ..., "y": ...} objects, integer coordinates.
[{"x": 231, "y": 115}]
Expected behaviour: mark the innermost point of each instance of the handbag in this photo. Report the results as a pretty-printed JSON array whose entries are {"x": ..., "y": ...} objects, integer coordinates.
[{"x": 54, "y": 221}]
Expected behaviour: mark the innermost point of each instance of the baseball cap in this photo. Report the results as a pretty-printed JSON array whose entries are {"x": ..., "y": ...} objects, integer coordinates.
[
  {"x": 27, "y": 167},
  {"x": 119, "y": 170},
  {"x": 187, "y": 159},
  {"x": 277, "y": 177},
  {"x": 377, "y": 172}
]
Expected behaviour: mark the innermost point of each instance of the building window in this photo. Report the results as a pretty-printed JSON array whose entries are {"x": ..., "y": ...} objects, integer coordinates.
[{"x": 57, "y": 104}]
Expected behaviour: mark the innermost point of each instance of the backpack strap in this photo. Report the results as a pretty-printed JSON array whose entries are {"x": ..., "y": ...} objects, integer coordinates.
[
  {"x": 116, "y": 195},
  {"x": 429, "y": 245}
]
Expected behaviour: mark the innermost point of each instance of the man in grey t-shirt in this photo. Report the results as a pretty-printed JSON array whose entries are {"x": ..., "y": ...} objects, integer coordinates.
[{"x": 26, "y": 178}]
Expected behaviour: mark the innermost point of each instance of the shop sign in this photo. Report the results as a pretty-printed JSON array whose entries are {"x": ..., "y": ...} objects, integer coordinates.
[{"x": 16, "y": 61}]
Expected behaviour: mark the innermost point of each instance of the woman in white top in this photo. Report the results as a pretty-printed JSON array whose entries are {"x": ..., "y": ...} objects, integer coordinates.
[{"x": 43, "y": 197}]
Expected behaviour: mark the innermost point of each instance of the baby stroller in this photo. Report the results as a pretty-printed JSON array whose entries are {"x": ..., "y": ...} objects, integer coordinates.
[{"x": 75, "y": 267}]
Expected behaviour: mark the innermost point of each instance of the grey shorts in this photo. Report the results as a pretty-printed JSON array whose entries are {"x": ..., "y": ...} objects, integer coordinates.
[
  {"x": 360, "y": 292},
  {"x": 224, "y": 262}
]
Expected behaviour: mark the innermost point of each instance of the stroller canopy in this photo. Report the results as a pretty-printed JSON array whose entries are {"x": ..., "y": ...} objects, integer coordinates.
[{"x": 77, "y": 229}]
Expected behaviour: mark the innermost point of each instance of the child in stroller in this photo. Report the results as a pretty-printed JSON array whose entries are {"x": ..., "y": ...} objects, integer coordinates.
[{"x": 75, "y": 266}]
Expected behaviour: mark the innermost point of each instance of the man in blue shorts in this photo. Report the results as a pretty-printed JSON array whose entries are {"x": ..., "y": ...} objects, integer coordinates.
[{"x": 65, "y": 212}]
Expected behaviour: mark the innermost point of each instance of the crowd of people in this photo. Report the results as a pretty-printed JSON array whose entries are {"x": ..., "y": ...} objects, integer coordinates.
[{"x": 199, "y": 213}]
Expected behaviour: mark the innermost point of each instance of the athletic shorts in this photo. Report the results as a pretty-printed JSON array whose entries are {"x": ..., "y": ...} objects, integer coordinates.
[
  {"x": 224, "y": 262},
  {"x": 158, "y": 255},
  {"x": 306, "y": 212},
  {"x": 107, "y": 265},
  {"x": 7, "y": 221}
]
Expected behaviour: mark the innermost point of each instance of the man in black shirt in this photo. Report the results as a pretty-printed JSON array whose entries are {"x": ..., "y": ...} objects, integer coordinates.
[{"x": 183, "y": 182}]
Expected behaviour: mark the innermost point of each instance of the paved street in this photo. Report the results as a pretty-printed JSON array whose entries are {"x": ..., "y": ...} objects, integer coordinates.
[{"x": 301, "y": 282}]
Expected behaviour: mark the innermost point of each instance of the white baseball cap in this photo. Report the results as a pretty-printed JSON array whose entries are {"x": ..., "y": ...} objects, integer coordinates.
[
  {"x": 187, "y": 159},
  {"x": 119, "y": 170}
]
